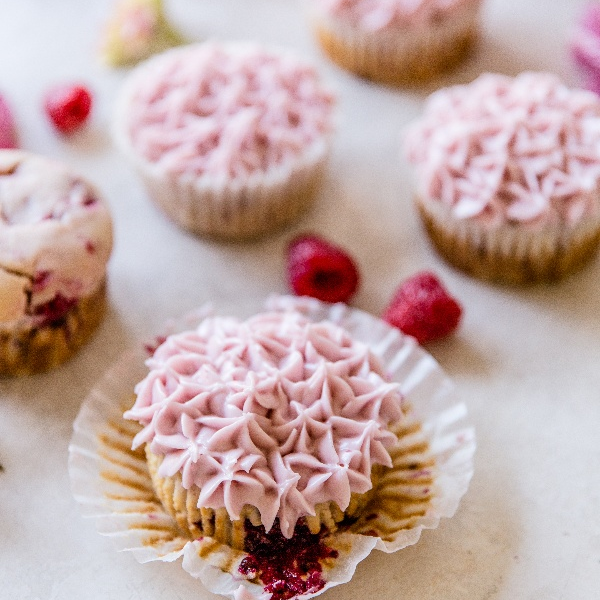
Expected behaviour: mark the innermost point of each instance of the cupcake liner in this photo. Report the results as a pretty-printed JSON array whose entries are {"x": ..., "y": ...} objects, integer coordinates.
[
  {"x": 433, "y": 463},
  {"x": 514, "y": 254},
  {"x": 409, "y": 55},
  {"x": 231, "y": 209}
]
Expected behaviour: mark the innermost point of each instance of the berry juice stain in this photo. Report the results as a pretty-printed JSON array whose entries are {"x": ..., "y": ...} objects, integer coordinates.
[{"x": 287, "y": 568}]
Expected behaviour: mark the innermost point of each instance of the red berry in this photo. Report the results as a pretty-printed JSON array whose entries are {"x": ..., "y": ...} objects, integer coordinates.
[
  {"x": 8, "y": 136},
  {"x": 68, "y": 106},
  {"x": 320, "y": 269},
  {"x": 422, "y": 307}
]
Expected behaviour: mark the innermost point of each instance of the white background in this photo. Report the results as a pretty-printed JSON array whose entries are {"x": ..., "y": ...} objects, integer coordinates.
[{"x": 526, "y": 361}]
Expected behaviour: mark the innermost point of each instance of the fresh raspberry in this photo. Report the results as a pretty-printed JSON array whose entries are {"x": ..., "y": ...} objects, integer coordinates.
[
  {"x": 68, "y": 106},
  {"x": 320, "y": 269},
  {"x": 8, "y": 135},
  {"x": 422, "y": 307}
]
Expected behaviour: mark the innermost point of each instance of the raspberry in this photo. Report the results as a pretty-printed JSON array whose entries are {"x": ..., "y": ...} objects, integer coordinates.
[
  {"x": 8, "y": 136},
  {"x": 68, "y": 106},
  {"x": 422, "y": 307},
  {"x": 320, "y": 269}
]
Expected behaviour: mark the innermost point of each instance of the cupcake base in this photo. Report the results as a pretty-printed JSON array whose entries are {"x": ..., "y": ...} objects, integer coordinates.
[
  {"x": 26, "y": 350},
  {"x": 237, "y": 213},
  {"x": 509, "y": 254},
  {"x": 409, "y": 56},
  {"x": 182, "y": 505}
]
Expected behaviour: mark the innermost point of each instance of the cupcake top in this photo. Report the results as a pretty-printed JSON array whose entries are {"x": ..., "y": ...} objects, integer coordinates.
[
  {"x": 55, "y": 238},
  {"x": 276, "y": 412},
  {"x": 378, "y": 15},
  {"x": 223, "y": 111},
  {"x": 510, "y": 150}
]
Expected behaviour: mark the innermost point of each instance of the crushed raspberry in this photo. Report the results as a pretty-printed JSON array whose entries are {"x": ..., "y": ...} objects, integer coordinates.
[
  {"x": 68, "y": 106},
  {"x": 317, "y": 268},
  {"x": 8, "y": 135},
  {"x": 286, "y": 567},
  {"x": 151, "y": 347},
  {"x": 422, "y": 307},
  {"x": 55, "y": 310}
]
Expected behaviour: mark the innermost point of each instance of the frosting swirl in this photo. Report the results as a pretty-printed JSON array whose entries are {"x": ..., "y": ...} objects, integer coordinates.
[
  {"x": 378, "y": 15},
  {"x": 224, "y": 111},
  {"x": 55, "y": 235},
  {"x": 277, "y": 412},
  {"x": 523, "y": 150}
]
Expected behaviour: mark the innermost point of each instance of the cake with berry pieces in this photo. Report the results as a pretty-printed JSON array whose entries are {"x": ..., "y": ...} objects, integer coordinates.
[{"x": 55, "y": 241}]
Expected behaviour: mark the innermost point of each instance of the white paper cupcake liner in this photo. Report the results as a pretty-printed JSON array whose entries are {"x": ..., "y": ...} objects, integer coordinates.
[
  {"x": 233, "y": 209},
  {"x": 510, "y": 253},
  {"x": 433, "y": 463},
  {"x": 408, "y": 55}
]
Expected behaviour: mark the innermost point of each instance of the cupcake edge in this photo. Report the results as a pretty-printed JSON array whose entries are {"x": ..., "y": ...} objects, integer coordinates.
[
  {"x": 29, "y": 349},
  {"x": 509, "y": 254},
  {"x": 407, "y": 57}
]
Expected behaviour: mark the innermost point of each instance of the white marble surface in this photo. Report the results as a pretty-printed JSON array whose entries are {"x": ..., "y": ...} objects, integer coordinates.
[{"x": 525, "y": 361}]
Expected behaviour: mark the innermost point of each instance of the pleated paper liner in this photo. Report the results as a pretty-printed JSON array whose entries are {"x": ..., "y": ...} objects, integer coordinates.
[{"x": 432, "y": 463}]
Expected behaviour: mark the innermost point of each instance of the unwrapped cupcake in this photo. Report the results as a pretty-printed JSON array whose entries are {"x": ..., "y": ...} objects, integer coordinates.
[
  {"x": 396, "y": 41},
  {"x": 231, "y": 139},
  {"x": 275, "y": 423},
  {"x": 272, "y": 452},
  {"x": 55, "y": 241},
  {"x": 508, "y": 176}
]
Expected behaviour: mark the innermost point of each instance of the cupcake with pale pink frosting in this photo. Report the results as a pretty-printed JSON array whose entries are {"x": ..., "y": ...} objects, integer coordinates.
[
  {"x": 508, "y": 176},
  {"x": 55, "y": 241},
  {"x": 231, "y": 139},
  {"x": 396, "y": 41},
  {"x": 274, "y": 426}
]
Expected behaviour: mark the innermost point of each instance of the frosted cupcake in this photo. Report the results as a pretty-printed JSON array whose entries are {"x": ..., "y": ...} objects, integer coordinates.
[
  {"x": 231, "y": 140},
  {"x": 396, "y": 41},
  {"x": 275, "y": 423},
  {"x": 508, "y": 174},
  {"x": 55, "y": 241}
]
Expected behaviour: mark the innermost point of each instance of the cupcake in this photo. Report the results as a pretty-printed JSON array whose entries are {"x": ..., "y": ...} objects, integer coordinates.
[
  {"x": 273, "y": 426},
  {"x": 272, "y": 453},
  {"x": 396, "y": 41},
  {"x": 508, "y": 174},
  {"x": 231, "y": 139},
  {"x": 55, "y": 241}
]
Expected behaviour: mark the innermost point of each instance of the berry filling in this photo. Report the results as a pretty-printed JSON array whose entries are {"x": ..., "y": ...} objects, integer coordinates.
[
  {"x": 286, "y": 567},
  {"x": 54, "y": 311},
  {"x": 8, "y": 134},
  {"x": 320, "y": 269},
  {"x": 422, "y": 307}
]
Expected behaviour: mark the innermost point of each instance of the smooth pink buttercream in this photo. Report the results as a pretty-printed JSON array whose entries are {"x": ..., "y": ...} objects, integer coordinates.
[
  {"x": 378, "y": 15},
  {"x": 225, "y": 111},
  {"x": 502, "y": 150},
  {"x": 276, "y": 412},
  {"x": 55, "y": 235}
]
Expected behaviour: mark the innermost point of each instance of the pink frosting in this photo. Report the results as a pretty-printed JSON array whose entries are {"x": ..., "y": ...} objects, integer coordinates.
[
  {"x": 225, "y": 111},
  {"x": 276, "y": 412},
  {"x": 585, "y": 46},
  {"x": 377, "y": 15},
  {"x": 55, "y": 235},
  {"x": 503, "y": 150}
]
